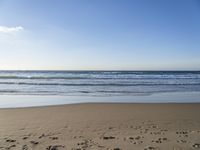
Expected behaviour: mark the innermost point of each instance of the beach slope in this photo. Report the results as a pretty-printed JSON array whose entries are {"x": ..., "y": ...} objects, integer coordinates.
[{"x": 101, "y": 126}]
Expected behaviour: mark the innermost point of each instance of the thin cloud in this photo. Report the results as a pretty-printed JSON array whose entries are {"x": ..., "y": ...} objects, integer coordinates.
[{"x": 10, "y": 30}]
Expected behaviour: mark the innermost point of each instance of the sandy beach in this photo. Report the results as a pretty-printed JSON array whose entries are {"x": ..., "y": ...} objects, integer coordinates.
[
  {"x": 101, "y": 126},
  {"x": 100, "y": 75}
]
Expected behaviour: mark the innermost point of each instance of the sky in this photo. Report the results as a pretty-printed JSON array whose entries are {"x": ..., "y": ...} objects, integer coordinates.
[{"x": 99, "y": 34}]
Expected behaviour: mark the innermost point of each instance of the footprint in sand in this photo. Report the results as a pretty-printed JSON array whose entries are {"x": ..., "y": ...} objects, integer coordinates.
[
  {"x": 53, "y": 138},
  {"x": 150, "y": 148},
  {"x": 54, "y": 147},
  {"x": 34, "y": 142},
  {"x": 136, "y": 140},
  {"x": 181, "y": 141},
  {"x": 41, "y": 136},
  {"x": 108, "y": 137},
  {"x": 159, "y": 140},
  {"x": 182, "y": 133},
  {"x": 117, "y": 149},
  {"x": 196, "y": 145},
  {"x": 26, "y": 137},
  {"x": 10, "y": 140},
  {"x": 24, "y": 147},
  {"x": 156, "y": 133}
]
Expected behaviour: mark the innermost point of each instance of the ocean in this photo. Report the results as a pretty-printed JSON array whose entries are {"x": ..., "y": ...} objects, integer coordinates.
[
  {"x": 42, "y": 88},
  {"x": 97, "y": 83}
]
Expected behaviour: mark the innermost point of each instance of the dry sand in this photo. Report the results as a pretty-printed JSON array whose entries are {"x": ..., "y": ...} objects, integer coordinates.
[{"x": 101, "y": 126}]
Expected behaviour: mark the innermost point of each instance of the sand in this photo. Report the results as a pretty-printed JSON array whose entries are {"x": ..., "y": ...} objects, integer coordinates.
[{"x": 101, "y": 126}]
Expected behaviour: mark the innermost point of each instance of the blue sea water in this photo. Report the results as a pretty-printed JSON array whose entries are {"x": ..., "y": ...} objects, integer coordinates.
[{"x": 98, "y": 84}]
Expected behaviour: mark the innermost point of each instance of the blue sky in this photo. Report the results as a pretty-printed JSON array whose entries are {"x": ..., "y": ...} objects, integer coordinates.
[{"x": 100, "y": 34}]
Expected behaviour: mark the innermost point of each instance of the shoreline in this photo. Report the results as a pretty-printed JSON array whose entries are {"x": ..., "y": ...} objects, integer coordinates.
[
  {"x": 22, "y": 101},
  {"x": 101, "y": 126},
  {"x": 104, "y": 103}
]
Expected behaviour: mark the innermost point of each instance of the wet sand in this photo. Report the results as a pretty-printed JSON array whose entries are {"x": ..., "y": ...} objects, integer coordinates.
[{"x": 101, "y": 126}]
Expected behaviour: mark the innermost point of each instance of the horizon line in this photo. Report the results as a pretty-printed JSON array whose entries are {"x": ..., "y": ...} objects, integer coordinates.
[{"x": 95, "y": 70}]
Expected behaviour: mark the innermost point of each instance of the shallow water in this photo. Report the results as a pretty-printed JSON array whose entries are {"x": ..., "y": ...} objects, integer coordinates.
[{"x": 13, "y": 101}]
